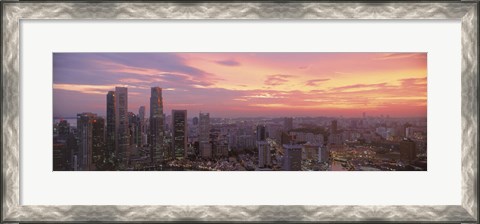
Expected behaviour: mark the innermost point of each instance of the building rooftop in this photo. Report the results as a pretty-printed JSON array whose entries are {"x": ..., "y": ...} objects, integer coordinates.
[{"x": 292, "y": 146}]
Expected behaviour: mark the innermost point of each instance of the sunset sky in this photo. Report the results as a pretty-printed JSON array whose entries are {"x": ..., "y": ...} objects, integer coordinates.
[{"x": 246, "y": 84}]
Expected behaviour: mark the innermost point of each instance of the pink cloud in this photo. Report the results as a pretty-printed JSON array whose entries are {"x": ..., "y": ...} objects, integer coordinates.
[
  {"x": 274, "y": 80},
  {"x": 315, "y": 82}
]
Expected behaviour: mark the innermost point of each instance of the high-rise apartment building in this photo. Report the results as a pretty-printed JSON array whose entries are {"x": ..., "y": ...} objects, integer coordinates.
[
  {"x": 204, "y": 126},
  {"x": 59, "y": 157},
  {"x": 264, "y": 156},
  {"x": 98, "y": 141},
  {"x": 261, "y": 133},
  {"x": 204, "y": 135},
  {"x": 85, "y": 140}
]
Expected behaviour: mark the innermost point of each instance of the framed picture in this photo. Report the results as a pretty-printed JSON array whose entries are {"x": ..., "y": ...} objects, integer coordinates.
[{"x": 246, "y": 112}]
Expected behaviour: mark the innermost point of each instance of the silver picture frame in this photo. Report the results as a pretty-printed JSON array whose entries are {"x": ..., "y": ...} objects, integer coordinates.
[{"x": 14, "y": 12}]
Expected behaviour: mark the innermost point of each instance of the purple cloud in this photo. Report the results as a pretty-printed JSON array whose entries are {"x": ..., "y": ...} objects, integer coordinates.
[{"x": 228, "y": 63}]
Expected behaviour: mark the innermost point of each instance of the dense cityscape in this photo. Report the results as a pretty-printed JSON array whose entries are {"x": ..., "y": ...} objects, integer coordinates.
[{"x": 182, "y": 140}]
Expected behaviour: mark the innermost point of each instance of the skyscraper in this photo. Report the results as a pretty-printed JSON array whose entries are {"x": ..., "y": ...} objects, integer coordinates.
[
  {"x": 204, "y": 123},
  {"x": 121, "y": 122},
  {"x": 134, "y": 128},
  {"x": 261, "y": 133},
  {"x": 179, "y": 133},
  {"x": 110, "y": 141},
  {"x": 98, "y": 141},
  {"x": 264, "y": 157},
  {"x": 91, "y": 139},
  {"x": 204, "y": 135},
  {"x": 59, "y": 157},
  {"x": 156, "y": 136},
  {"x": 85, "y": 141},
  {"x": 142, "y": 126},
  {"x": 72, "y": 148}
]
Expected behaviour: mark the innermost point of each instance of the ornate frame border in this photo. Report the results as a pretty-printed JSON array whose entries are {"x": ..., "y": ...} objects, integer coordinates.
[{"x": 14, "y": 12}]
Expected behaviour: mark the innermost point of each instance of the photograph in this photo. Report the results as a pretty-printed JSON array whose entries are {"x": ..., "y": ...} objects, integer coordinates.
[
  {"x": 240, "y": 111},
  {"x": 113, "y": 111}
]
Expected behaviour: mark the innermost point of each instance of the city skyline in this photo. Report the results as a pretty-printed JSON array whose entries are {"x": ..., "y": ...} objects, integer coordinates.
[
  {"x": 132, "y": 112},
  {"x": 311, "y": 84}
]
